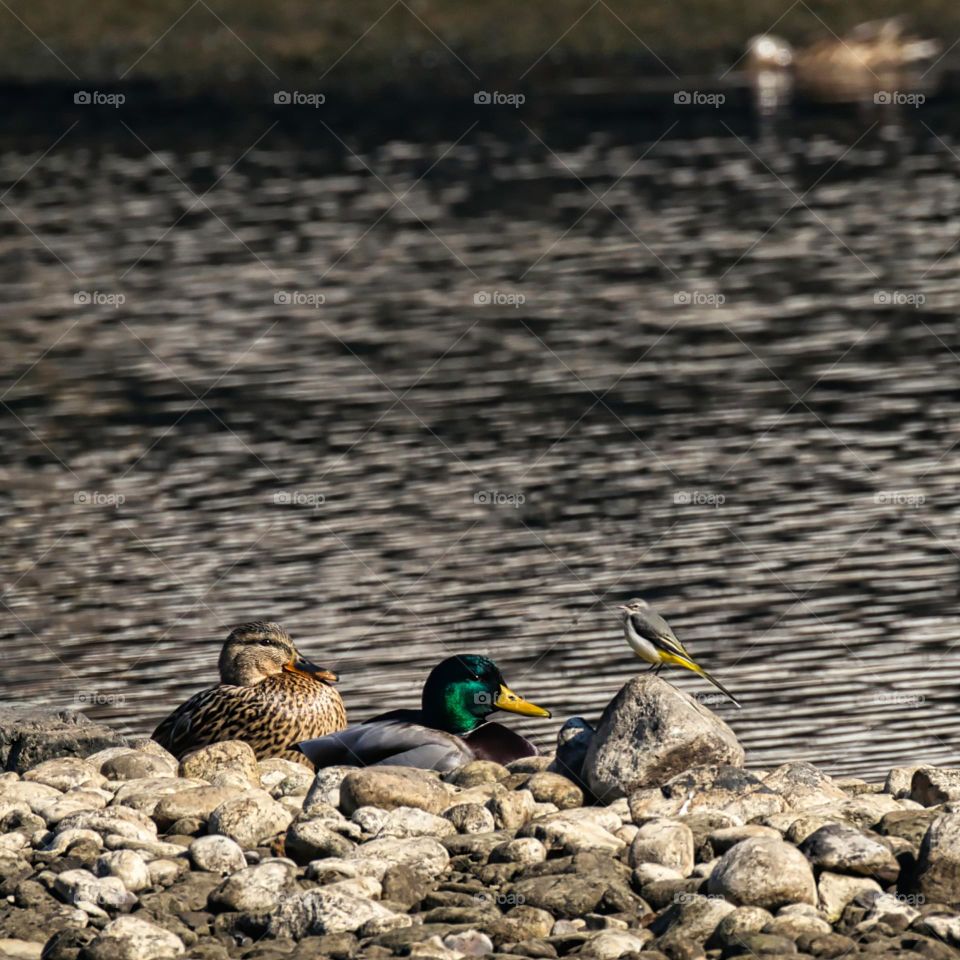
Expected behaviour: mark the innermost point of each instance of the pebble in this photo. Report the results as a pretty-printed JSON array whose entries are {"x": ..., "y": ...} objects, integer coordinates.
[
  {"x": 251, "y": 819},
  {"x": 470, "y": 818},
  {"x": 553, "y": 788},
  {"x": 257, "y": 889},
  {"x": 666, "y": 842},
  {"x": 217, "y": 854},
  {"x": 835, "y": 891},
  {"x": 233, "y": 757},
  {"x": 65, "y": 773},
  {"x": 130, "y": 938},
  {"x": 81, "y": 887},
  {"x": 127, "y": 866},
  {"x": 308, "y": 840},
  {"x": 326, "y": 911},
  {"x": 195, "y": 802},
  {"x": 137, "y": 765},
  {"x": 763, "y": 872},
  {"x": 391, "y": 787},
  {"x": 524, "y": 850}
]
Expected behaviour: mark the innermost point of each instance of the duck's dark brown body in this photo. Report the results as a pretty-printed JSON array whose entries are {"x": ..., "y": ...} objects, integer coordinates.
[{"x": 272, "y": 716}]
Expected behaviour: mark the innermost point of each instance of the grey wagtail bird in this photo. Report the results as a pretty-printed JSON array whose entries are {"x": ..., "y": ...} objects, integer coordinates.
[{"x": 653, "y": 640}]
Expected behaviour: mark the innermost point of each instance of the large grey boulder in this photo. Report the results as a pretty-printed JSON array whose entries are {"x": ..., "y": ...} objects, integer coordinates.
[
  {"x": 28, "y": 736},
  {"x": 651, "y": 731}
]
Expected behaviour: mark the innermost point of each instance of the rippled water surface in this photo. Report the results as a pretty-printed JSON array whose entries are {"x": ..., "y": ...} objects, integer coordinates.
[{"x": 731, "y": 386}]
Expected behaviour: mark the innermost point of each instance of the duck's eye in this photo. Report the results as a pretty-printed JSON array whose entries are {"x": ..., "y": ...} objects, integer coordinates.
[{"x": 267, "y": 642}]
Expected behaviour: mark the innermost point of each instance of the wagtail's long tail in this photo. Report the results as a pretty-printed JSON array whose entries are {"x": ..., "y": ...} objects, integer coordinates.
[
  {"x": 697, "y": 669},
  {"x": 706, "y": 676}
]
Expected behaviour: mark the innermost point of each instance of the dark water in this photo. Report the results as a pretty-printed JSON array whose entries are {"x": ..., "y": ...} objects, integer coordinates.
[{"x": 731, "y": 386}]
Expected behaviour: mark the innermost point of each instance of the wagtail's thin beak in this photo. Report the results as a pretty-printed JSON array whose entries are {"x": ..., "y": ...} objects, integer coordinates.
[
  {"x": 300, "y": 664},
  {"x": 514, "y": 703}
]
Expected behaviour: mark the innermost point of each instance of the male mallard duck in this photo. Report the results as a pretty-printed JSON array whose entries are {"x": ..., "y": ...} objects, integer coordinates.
[
  {"x": 269, "y": 696},
  {"x": 449, "y": 730}
]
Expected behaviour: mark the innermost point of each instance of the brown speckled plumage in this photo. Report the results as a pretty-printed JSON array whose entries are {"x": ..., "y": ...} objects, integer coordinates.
[{"x": 269, "y": 696}]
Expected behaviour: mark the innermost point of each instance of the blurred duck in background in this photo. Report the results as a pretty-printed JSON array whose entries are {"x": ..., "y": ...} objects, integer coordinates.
[{"x": 877, "y": 62}]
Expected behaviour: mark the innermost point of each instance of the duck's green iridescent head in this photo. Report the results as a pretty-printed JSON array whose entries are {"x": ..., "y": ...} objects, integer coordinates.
[{"x": 462, "y": 691}]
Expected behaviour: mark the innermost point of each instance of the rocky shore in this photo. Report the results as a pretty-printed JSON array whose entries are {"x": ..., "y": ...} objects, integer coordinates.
[{"x": 646, "y": 837}]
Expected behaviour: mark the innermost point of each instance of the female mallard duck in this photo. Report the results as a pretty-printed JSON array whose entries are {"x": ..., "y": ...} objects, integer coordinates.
[
  {"x": 449, "y": 729},
  {"x": 269, "y": 696}
]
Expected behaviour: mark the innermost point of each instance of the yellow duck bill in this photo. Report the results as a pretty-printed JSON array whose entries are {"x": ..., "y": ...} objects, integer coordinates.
[{"x": 512, "y": 702}]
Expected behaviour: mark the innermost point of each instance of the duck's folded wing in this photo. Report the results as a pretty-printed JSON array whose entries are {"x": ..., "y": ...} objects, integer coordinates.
[
  {"x": 187, "y": 727},
  {"x": 494, "y": 741},
  {"x": 388, "y": 742}
]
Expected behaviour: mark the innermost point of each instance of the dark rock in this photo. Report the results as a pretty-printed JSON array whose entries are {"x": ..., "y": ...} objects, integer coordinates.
[
  {"x": 660, "y": 893},
  {"x": 938, "y": 866},
  {"x": 405, "y": 885},
  {"x": 826, "y": 945},
  {"x": 531, "y": 948},
  {"x": 682, "y": 948},
  {"x": 911, "y": 825},
  {"x": 573, "y": 742},
  {"x": 337, "y": 946},
  {"x": 759, "y": 943},
  {"x": 68, "y": 944},
  {"x": 496, "y": 874},
  {"x": 403, "y": 938},
  {"x": 562, "y": 895},
  {"x": 475, "y": 844},
  {"x": 931, "y": 786},
  {"x": 29, "y": 736},
  {"x": 844, "y": 849},
  {"x": 476, "y": 915}
]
